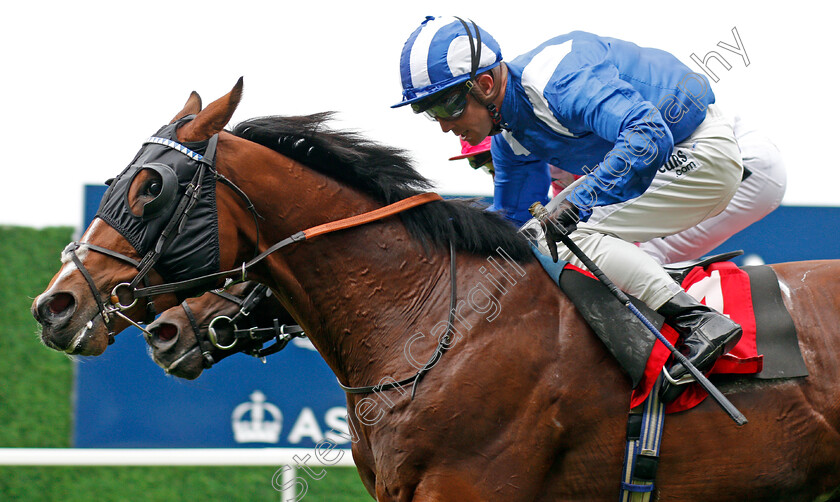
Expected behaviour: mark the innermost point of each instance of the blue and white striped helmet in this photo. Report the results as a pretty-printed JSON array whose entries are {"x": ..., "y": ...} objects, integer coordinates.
[{"x": 439, "y": 54}]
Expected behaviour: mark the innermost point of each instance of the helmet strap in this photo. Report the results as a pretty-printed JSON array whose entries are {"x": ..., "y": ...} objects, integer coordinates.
[
  {"x": 496, "y": 117},
  {"x": 475, "y": 46},
  {"x": 487, "y": 101},
  {"x": 475, "y": 60}
]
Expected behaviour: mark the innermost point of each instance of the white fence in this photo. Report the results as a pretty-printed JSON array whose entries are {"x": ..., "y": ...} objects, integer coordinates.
[{"x": 289, "y": 459}]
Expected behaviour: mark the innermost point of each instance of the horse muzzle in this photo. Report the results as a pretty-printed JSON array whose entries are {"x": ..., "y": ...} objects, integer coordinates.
[
  {"x": 66, "y": 327},
  {"x": 178, "y": 355}
]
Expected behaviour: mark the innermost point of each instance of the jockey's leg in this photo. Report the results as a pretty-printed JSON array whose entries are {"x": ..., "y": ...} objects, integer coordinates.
[
  {"x": 698, "y": 185},
  {"x": 710, "y": 335},
  {"x": 760, "y": 192},
  {"x": 707, "y": 333}
]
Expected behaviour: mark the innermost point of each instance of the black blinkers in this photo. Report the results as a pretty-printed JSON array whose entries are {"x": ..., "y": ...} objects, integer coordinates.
[
  {"x": 166, "y": 196},
  {"x": 192, "y": 247}
]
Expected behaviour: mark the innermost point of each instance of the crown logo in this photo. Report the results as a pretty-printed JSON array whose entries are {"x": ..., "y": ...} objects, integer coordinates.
[{"x": 258, "y": 429}]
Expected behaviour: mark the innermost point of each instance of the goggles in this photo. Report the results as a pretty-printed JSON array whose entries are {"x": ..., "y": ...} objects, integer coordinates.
[{"x": 449, "y": 105}]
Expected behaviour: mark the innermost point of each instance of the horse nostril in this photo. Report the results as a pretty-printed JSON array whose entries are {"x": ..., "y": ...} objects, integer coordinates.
[
  {"x": 60, "y": 303},
  {"x": 165, "y": 332},
  {"x": 54, "y": 308}
]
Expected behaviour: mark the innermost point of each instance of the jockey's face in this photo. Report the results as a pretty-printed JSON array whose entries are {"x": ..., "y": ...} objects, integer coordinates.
[
  {"x": 475, "y": 123},
  {"x": 471, "y": 126}
]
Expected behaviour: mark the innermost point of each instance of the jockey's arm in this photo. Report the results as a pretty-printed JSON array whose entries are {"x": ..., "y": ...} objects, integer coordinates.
[{"x": 519, "y": 182}]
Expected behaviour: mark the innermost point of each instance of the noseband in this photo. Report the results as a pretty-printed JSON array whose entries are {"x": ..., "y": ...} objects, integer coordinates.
[
  {"x": 282, "y": 334},
  {"x": 109, "y": 309}
]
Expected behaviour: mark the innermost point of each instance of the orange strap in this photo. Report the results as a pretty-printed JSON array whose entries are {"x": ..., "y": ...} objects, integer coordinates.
[{"x": 376, "y": 214}]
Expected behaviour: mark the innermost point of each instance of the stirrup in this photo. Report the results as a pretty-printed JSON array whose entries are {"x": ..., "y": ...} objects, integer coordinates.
[{"x": 687, "y": 378}]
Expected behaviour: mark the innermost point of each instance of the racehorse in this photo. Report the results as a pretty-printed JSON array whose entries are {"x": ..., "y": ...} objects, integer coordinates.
[
  {"x": 187, "y": 339},
  {"x": 520, "y": 401}
]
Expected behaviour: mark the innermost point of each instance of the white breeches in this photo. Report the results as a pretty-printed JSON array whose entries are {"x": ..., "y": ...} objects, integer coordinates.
[
  {"x": 757, "y": 196},
  {"x": 696, "y": 184}
]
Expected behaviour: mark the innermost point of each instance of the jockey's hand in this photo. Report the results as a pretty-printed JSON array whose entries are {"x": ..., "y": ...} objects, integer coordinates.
[{"x": 561, "y": 221}]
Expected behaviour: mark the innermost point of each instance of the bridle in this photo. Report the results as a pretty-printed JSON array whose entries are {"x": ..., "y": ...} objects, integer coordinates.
[
  {"x": 282, "y": 334},
  {"x": 115, "y": 307}
]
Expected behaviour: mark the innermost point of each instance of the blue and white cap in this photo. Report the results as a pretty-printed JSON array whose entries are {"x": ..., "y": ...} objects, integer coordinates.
[{"x": 439, "y": 54}]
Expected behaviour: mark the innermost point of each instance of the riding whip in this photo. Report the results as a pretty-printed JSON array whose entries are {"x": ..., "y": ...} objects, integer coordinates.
[{"x": 541, "y": 214}]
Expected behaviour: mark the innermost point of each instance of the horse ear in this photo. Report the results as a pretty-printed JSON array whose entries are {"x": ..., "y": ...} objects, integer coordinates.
[
  {"x": 192, "y": 107},
  {"x": 213, "y": 118}
]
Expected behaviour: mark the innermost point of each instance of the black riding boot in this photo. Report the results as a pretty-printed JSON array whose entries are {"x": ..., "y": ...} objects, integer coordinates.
[{"x": 707, "y": 335}]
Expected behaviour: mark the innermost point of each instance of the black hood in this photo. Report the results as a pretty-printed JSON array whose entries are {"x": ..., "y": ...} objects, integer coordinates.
[{"x": 194, "y": 251}]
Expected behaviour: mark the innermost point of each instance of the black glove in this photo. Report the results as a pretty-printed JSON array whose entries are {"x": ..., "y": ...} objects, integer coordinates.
[{"x": 561, "y": 221}]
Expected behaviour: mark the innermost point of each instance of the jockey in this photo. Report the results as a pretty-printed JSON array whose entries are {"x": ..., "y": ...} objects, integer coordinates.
[
  {"x": 478, "y": 156},
  {"x": 656, "y": 155},
  {"x": 761, "y": 191}
]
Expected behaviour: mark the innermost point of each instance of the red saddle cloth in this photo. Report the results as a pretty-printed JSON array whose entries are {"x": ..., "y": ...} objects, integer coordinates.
[{"x": 726, "y": 288}]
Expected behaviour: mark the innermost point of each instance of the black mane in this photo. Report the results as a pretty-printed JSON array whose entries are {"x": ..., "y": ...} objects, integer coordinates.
[{"x": 386, "y": 174}]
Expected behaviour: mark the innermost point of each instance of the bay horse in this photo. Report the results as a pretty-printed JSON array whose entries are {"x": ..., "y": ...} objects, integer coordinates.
[
  {"x": 244, "y": 317},
  {"x": 524, "y": 405}
]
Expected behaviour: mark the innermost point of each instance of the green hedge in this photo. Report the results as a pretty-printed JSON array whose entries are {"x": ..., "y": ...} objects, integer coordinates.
[{"x": 35, "y": 408}]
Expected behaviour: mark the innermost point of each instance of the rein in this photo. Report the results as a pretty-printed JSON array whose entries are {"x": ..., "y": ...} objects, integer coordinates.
[
  {"x": 310, "y": 233},
  {"x": 176, "y": 225}
]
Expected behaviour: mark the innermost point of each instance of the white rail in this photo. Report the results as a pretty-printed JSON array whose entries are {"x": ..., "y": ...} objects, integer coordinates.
[
  {"x": 287, "y": 459},
  {"x": 172, "y": 456}
]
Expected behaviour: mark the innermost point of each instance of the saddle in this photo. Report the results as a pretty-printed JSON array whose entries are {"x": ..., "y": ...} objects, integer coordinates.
[
  {"x": 769, "y": 348},
  {"x": 680, "y": 270}
]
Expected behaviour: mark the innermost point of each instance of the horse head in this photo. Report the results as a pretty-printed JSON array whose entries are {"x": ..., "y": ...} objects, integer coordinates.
[
  {"x": 178, "y": 220},
  {"x": 157, "y": 222},
  {"x": 202, "y": 331}
]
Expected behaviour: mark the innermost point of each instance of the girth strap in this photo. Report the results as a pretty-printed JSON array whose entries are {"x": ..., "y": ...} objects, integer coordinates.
[{"x": 641, "y": 454}]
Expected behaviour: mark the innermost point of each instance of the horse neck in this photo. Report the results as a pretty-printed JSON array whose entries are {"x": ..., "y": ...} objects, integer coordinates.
[
  {"x": 359, "y": 293},
  {"x": 369, "y": 291}
]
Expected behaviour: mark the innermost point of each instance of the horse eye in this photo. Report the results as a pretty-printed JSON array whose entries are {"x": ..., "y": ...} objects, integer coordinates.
[{"x": 154, "y": 188}]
